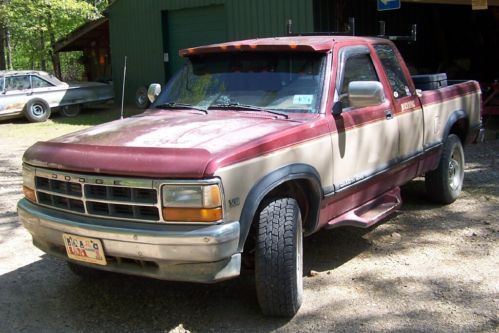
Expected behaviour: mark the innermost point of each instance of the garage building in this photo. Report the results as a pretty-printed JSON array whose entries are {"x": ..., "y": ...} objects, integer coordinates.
[{"x": 452, "y": 37}]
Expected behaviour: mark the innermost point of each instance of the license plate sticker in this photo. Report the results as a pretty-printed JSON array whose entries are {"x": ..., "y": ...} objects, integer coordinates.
[{"x": 84, "y": 249}]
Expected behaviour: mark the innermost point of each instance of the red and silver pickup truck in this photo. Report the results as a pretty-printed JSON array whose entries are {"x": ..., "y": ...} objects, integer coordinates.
[{"x": 250, "y": 147}]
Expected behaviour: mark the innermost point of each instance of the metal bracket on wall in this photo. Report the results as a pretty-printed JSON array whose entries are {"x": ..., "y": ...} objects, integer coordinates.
[
  {"x": 411, "y": 38},
  {"x": 350, "y": 31}
]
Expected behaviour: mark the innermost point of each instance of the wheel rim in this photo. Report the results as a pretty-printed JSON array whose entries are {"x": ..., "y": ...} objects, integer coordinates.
[
  {"x": 141, "y": 99},
  {"x": 37, "y": 110},
  {"x": 456, "y": 170},
  {"x": 71, "y": 111}
]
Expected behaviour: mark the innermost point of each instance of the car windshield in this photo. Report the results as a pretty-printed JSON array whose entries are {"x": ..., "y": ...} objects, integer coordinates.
[{"x": 260, "y": 81}]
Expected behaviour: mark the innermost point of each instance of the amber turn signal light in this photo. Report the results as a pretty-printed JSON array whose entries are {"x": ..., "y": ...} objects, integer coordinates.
[
  {"x": 192, "y": 214},
  {"x": 29, "y": 194}
]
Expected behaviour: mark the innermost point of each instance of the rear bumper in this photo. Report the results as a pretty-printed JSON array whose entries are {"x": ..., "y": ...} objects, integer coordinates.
[{"x": 169, "y": 252}]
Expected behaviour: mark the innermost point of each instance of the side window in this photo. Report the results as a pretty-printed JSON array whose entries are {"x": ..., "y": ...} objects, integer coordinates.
[
  {"x": 357, "y": 68},
  {"x": 393, "y": 70},
  {"x": 37, "y": 82},
  {"x": 20, "y": 82}
]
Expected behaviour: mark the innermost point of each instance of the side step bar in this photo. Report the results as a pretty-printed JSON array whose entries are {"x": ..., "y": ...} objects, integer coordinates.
[{"x": 369, "y": 213}]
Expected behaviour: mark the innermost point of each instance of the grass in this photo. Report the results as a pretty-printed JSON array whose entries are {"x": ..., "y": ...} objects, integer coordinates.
[{"x": 58, "y": 124}]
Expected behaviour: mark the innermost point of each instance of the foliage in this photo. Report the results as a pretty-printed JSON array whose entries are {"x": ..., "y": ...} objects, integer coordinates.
[{"x": 35, "y": 25}]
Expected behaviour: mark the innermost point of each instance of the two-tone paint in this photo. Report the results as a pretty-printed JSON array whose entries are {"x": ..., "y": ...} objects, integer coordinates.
[
  {"x": 55, "y": 93},
  {"x": 332, "y": 164}
]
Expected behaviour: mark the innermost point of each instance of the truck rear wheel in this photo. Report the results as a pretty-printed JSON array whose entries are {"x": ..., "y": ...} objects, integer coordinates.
[
  {"x": 279, "y": 258},
  {"x": 444, "y": 184}
]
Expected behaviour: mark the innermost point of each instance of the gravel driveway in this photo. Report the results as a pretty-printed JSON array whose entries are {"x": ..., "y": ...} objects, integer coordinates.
[{"x": 428, "y": 268}]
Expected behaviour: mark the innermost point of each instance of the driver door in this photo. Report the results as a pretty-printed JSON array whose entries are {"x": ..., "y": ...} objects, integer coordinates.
[{"x": 365, "y": 140}]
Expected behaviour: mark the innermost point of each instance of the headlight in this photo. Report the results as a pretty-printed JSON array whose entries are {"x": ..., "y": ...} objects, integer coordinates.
[
  {"x": 192, "y": 203},
  {"x": 29, "y": 183}
]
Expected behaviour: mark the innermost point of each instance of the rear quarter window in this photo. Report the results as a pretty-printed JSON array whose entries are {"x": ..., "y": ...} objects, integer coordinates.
[{"x": 393, "y": 71}]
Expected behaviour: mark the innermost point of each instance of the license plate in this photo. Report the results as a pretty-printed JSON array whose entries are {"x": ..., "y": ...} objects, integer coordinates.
[{"x": 84, "y": 249}]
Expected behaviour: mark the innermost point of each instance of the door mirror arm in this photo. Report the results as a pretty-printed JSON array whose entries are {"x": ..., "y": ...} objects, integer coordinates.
[{"x": 337, "y": 108}]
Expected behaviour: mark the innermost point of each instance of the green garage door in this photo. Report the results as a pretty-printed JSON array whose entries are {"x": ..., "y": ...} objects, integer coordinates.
[{"x": 194, "y": 27}]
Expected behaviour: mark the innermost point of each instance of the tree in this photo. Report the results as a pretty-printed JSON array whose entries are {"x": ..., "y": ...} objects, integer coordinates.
[{"x": 36, "y": 25}]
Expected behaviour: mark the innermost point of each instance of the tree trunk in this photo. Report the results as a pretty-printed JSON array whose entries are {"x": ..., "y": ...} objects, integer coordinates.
[
  {"x": 5, "y": 47},
  {"x": 8, "y": 47},
  {"x": 43, "y": 62},
  {"x": 56, "y": 61},
  {"x": 2, "y": 47}
]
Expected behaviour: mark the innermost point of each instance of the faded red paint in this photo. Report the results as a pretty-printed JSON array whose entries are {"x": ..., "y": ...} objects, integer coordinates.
[
  {"x": 301, "y": 43},
  {"x": 447, "y": 93},
  {"x": 193, "y": 145},
  {"x": 175, "y": 143}
]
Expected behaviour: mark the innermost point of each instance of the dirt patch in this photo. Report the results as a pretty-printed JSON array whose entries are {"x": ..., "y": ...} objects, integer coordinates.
[{"x": 428, "y": 268}]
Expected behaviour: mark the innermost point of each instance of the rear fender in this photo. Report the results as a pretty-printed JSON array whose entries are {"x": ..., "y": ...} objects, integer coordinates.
[{"x": 452, "y": 125}]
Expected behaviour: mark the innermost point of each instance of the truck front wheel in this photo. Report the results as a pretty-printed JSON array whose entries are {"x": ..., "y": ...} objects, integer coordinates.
[
  {"x": 444, "y": 184},
  {"x": 279, "y": 258}
]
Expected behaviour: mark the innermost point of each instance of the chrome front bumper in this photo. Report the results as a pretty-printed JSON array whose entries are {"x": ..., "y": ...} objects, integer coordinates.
[{"x": 167, "y": 252}]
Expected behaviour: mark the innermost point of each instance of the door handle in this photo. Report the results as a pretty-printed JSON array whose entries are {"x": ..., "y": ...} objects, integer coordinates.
[{"x": 388, "y": 114}]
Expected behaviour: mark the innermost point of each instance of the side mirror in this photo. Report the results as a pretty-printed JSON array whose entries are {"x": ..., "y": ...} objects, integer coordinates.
[
  {"x": 365, "y": 93},
  {"x": 153, "y": 91}
]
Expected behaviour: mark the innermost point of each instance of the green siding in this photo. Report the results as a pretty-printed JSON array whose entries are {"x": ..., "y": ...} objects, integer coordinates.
[
  {"x": 136, "y": 31},
  {"x": 193, "y": 27}
]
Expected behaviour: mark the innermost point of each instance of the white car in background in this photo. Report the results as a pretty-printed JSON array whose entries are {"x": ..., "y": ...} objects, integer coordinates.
[{"x": 34, "y": 94}]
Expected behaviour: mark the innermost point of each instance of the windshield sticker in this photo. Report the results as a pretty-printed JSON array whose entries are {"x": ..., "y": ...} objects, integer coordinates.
[{"x": 303, "y": 99}]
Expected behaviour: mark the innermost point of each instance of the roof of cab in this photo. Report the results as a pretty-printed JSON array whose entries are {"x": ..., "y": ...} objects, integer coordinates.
[{"x": 298, "y": 43}]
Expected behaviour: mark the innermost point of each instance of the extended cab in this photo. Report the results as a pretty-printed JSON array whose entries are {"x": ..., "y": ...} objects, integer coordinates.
[{"x": 251, "y": 146}]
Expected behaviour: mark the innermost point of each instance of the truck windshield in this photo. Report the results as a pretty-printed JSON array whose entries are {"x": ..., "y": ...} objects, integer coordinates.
[{"x": 274, "y": 81}]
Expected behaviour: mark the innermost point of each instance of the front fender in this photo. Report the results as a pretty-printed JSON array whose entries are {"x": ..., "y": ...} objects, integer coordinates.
[{"x": 265, "y": 185}]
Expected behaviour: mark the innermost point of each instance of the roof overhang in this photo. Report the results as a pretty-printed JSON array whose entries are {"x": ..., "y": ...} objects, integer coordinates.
[{"x": 86, "y": 36}]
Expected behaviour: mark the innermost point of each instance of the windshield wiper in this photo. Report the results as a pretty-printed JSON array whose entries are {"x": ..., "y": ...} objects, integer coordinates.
[
  {"x": 175, "y": 105},
  {"x": 249, "y": 107}
]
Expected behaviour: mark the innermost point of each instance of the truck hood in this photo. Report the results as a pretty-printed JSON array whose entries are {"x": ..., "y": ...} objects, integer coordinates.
[{"x": 166, "y": 143}]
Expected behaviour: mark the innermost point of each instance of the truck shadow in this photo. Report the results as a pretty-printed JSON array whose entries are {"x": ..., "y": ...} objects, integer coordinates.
[{"x": 46, "y": 296}]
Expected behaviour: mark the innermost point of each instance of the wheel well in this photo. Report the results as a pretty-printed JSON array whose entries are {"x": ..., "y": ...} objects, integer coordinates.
[
  {"x": 302, "y": 191},
  {"x": 460, "y": 128}
]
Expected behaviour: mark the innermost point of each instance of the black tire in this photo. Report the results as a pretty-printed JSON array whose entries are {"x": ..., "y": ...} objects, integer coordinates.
[
  {"x": 84, "y": 271},
  {"x": 141, "y": 99},
  {"x": 37, "y": 110},
  {"x": 71, "y": 111},
  {"x": 444, "y": 184},
  {"x": 279, "y": 258}
]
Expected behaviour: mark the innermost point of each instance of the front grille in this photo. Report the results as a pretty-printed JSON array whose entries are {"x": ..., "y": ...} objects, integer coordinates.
[{"x": 109, "y": 198}]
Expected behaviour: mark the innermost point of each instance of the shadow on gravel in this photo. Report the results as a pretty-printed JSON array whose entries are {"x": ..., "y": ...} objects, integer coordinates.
[{"x": 46, "y": 296}]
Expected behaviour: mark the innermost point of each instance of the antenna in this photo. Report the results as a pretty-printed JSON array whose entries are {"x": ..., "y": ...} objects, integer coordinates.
[{"x": 123, "y": 91}]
